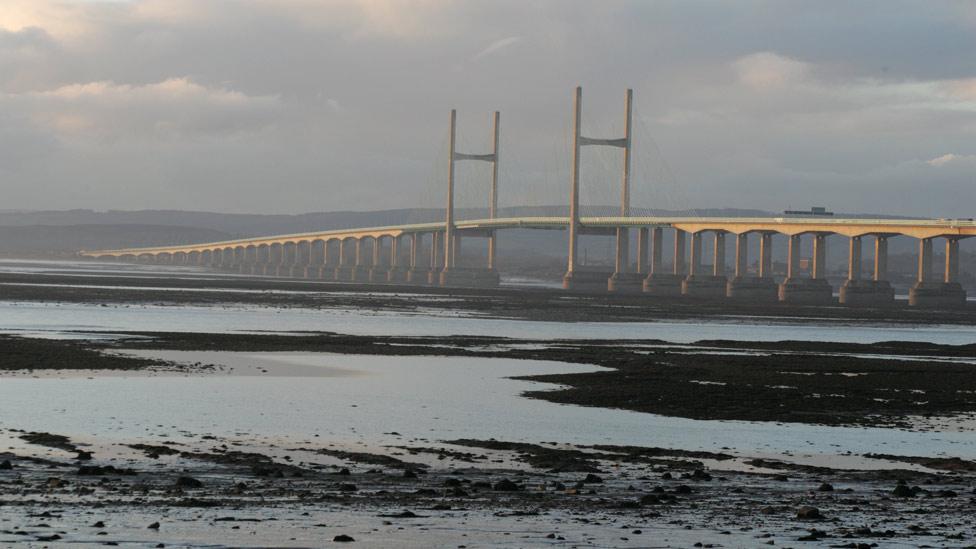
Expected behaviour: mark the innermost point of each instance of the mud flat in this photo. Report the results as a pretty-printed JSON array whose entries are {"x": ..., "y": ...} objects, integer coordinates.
[
  {"x": 177, "y": 485},
  {"x": 894, "y": 384},
  {"x": 221, "y": 492},
  {"x": 503, "y": 303}
]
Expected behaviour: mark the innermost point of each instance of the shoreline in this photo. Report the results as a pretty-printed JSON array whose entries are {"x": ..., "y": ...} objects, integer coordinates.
[{"x": 495, "y": 303}]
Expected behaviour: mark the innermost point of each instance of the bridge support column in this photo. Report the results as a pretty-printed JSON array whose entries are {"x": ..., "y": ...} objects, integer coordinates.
[
  {"x": 416, "y": 274},
  {"x": 359, "y": 271},
  {"x": 624, "y": 280},
  {"x": 876, "y": 292},
  {"x": 927, "y": 292},
  {"x": 313, "y": 254},
  {"x": 698, "y": 283},
  {"x": 436, "y": 247},
  {"x": 577, "y": 278},
  {"x": 801, "y": 290},
  {"x": 755, "y": 288},
  {"x": 397, "y": 274},
  {"x": 251, "y": 260},
  {"x": 659, "y": 282},
  {"x": 377, "y": 271},
  {"x": 343, "y": 270}
]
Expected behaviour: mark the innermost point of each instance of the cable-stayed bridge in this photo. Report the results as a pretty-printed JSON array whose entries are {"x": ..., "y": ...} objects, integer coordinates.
[{"x": 426, "y": 253}]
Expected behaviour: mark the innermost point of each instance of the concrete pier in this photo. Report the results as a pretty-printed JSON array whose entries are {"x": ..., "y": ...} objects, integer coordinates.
[
  {"x": 801, "y": 290},
  {"x": 875, "y": 292},
  {"x": 702, "y": 284},
  {"x": 659, "y": 282},
  {"x": 758, "y": 288},
  {"x": 930, "y": 293}
]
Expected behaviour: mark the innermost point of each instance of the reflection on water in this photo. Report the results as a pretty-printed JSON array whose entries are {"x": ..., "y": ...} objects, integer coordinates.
[
  {"x": 23, "y": 317},
  {"x": 363, "y": 398}
]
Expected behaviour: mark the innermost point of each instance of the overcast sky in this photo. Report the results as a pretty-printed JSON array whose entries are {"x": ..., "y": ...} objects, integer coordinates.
[{"x": 288, "y": 106}]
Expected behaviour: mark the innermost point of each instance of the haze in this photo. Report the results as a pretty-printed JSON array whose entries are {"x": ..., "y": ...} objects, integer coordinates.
[{"x": 296, "y": 106}]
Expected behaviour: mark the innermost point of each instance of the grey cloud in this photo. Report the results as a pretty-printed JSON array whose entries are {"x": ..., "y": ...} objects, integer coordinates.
[{"x": 317, "y": 105}]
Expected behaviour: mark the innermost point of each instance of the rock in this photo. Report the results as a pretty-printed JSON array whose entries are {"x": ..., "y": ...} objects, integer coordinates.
[
  {"x": 683, "y": 489},
  {"x": 825, "y": 487},
  {"x": 650, "y": 499},
  {"x": 814, "y": 535},
  {"x": 808, "y": 513},
  {"x": 153, "y": 526},
  {"x": 407, "y": 473},
  {"x": 666, "y": 476},
  {"x": 452, "y": 482},
  {"x": 99, "y": 524},
  {"x": 52, "y": 537},
  {"x": 592, "y": 479},
  {"x": 903, "y": 491},
  {"x": 188, "y": 482},
  {"x": 505, "y": 485},
  {"x": 700, "y": 474},
  {"x": 54, "y": 482},
  {"x": 342, "y": 538},
  {"x": 5, "y": 465},
  {"x": 83, "y": 455},
  {"x": 347, "y": 488}
]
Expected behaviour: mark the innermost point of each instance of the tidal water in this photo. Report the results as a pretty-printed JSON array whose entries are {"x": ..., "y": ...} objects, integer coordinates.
[
  {"x": 361, "y": 400},
  {"x": 384, "y": 400}
]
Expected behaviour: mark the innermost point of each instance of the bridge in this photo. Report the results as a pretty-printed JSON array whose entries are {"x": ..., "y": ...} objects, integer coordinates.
[{"x": 426, "y": 253}]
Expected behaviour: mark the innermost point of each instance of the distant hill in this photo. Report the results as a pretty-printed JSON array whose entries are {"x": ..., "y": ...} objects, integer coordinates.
[
  {"x": 48, "y": 240},
  {"x": 245, "y": 225}
]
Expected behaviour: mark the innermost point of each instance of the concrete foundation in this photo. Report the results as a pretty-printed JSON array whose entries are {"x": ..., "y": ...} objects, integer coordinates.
[
  {"x": 586, "y": 281},
  {"x": 396, "y": 275},
  {"x": 752, "y": 288},
  {"x": 377, "y": 274},
  {"x": 343, "y": 273},
  {"x": 663, "y": 284},
  {"x": 937, "y": 295},
  {"x": 704, "y": 286},
  {"x": 420, "y": 277},
  {"x": 806, "y": 291},
  {"x": 469, "y": 277},
  {"x": 870, "y": 293},
  {"x": 626, "y": 283}
]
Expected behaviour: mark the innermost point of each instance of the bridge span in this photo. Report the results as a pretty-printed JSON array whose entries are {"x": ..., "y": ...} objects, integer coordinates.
[
  {"x": 413, "y": 254},
  {"x": 426, "y": 253}
]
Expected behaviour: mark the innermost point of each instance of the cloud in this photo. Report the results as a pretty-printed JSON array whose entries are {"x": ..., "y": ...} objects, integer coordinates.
[
  {"x": 497, "y": 46},
  {"x": 175, "y": 107},
  {"x": 942, "y": 160},
  {"x": 343, "y": 103},
  {"x": 769, "y": 71}
]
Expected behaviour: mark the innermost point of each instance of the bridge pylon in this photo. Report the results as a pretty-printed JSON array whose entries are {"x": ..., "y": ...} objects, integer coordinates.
[
  {"x": 623, "y": 279},
  {"x": 453, "y": 274}
]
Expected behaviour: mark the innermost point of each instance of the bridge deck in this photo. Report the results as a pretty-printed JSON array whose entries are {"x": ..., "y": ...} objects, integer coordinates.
[{"x": 916, "y": 228}]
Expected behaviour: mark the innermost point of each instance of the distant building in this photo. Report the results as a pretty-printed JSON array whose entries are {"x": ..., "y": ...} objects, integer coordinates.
[{"x": 814, "y": 211}]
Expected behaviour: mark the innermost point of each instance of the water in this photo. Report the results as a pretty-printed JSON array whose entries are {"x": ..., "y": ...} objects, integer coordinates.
[
  {"x": 60, "y": 319},
  {"x": 54, "y": 318},
  {"x": 353, "y": 399}
]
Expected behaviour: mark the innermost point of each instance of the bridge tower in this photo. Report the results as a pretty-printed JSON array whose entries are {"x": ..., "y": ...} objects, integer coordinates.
[
  {"x": 453, "y": 274},
  {"x": 623, "y": 279}
]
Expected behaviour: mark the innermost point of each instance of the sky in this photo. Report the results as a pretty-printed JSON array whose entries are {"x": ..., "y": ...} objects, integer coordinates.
[{"x": 291, "y": 106}]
